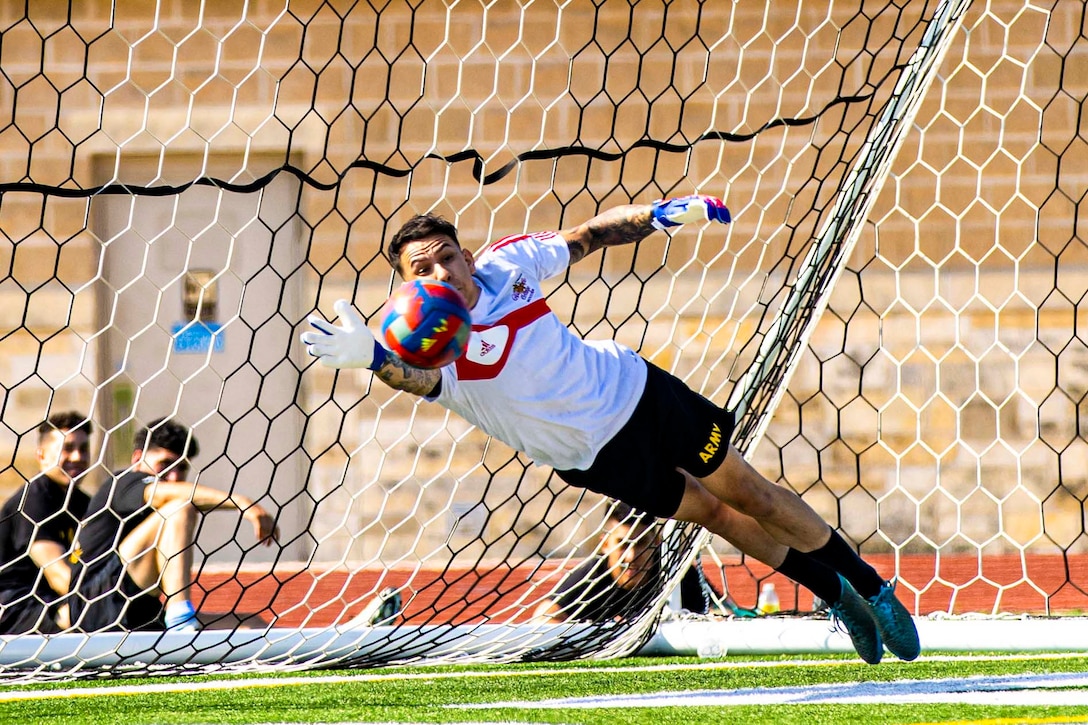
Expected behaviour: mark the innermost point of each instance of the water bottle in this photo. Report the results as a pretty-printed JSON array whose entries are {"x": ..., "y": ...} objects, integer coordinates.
[{"x": 768, "y": 599}]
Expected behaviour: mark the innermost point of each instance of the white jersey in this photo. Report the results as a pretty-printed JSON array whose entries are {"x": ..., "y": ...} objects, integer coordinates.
[{"x": 525, "y": 378}]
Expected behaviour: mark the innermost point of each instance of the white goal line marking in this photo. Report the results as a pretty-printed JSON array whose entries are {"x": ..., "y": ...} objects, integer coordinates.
[{"x": 232, "y": 681}]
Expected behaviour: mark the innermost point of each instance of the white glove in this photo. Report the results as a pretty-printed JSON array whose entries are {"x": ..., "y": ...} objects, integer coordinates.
[
  {"x": 685, "y": 209},
  {"x": 347, "y": 345}
]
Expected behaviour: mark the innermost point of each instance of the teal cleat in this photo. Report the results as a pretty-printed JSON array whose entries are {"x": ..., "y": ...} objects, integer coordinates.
[
  {"x": 895, "y": 624},
  {"x": 856, "y": 615}
]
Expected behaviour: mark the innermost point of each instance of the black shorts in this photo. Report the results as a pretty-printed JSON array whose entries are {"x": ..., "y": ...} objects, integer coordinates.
[
  {"x": 24, "y": 612},
  {"x": 107, "y": 599},
  {"x": 672, "y": 427}
]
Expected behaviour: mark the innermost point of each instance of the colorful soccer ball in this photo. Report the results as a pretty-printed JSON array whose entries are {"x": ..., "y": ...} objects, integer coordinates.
[{"x": 426, "y": 323}]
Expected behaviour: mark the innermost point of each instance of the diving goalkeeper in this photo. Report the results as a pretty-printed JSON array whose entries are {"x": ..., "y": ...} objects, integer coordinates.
[{"x": 603, "y": 417}]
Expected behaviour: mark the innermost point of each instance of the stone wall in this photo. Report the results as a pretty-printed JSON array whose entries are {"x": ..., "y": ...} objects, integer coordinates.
[{"x": 951, "y": 343}]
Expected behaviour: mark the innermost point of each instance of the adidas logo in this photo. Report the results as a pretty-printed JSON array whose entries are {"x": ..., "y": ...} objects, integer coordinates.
[{"x": 485, "y": 347}]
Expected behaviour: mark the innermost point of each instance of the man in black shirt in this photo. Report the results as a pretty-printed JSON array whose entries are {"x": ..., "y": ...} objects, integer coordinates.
[
  {"x": 137, "y": 539},
  {"x": 37, "y": 526},
  {"x": 617, "y": 580},
  {"x": 620, "y": 578}
]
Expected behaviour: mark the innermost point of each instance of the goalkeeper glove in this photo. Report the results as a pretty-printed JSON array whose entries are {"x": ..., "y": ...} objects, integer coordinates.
[
  {"x": 682, "y": 210},
  {"x": 347, "y": 345}
]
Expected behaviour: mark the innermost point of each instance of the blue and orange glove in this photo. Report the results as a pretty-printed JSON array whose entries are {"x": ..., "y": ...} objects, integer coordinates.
[
  {"x": 686, "y": 209},
  {"x": 347, "y": 345}
]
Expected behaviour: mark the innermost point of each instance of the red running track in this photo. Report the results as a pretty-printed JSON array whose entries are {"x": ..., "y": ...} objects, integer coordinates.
[{"x": 319, "y": 598}]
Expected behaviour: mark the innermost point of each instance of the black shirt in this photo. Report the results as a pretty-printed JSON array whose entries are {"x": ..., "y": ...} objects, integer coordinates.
[
  {"x": 590, "y": 594},
  {"x": 41, "y": 510},
  {"x": 113, "y": 512}
]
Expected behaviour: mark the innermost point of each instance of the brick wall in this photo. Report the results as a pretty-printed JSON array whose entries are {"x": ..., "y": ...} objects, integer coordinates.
[{"x": 936, "y": 404}]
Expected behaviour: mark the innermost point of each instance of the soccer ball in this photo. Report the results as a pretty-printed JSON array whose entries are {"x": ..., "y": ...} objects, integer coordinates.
[{"x": 426, "y": 323}]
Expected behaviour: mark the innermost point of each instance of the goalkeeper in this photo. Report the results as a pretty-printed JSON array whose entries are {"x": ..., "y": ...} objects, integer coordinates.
[{"x": 603, "y": 417}]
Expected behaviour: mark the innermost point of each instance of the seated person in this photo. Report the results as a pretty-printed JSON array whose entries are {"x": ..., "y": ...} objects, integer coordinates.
[
  {"x": 621, "y": 575},
  {"x": 137, "y": 539},
  {"x": 37, "y": 526}
]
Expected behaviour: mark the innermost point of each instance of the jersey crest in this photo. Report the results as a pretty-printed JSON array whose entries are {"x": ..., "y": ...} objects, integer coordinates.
[{"x": 522, "y": 290}]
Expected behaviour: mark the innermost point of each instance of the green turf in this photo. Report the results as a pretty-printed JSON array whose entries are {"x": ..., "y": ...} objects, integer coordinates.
[{"x": 422, "y": 694}]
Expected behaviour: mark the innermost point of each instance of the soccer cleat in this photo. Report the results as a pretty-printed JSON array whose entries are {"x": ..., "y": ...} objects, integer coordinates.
[
  {"x": 740, "y": 612},
  {"x": 856, "y": 615},
  {"x": 895, "y": 624}
]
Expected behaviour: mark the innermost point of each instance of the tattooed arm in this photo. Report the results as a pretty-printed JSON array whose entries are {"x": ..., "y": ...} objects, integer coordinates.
[
  {"x": 626, "y": 224},
  {"x": 634, "y": 222},
  {"x": 399, "y": 375}
]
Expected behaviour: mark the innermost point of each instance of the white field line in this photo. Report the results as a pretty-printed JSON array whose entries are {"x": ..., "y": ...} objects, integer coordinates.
[
  {"x": 1024, "y": 690},
  {"x": 235, "y": 682}
]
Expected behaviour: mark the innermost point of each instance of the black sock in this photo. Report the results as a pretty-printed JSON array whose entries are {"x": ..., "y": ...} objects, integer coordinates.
[
  {"x": 841, "y": 557},
  {"x": 811, "y": 574}
]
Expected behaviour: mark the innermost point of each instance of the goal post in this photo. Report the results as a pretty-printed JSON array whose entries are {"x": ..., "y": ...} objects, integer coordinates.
[{"x": 894, "y": 311}]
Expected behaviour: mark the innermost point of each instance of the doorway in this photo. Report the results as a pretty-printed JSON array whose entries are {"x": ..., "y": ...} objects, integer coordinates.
[{"x": 197, "y": 300}]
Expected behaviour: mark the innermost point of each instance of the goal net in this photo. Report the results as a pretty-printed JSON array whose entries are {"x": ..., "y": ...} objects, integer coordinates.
[{"x": 894, "y": 311}]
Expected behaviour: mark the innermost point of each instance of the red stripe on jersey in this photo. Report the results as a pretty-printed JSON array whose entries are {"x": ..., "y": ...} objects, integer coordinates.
[
  {"x": 516, "y": 320},
  {"x": 513, "y": 238}
]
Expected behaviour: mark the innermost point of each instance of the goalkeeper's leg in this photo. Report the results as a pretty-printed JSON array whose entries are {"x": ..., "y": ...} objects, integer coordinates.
[
  {"x": 748, "y": 536},
  {"x": 817, "y": 566},
  {"x": 783, "y": 515}
]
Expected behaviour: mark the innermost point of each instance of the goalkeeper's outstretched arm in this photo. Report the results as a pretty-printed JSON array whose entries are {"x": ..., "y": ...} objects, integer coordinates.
[
  {"x": 399, "y": 375},
  {"x": 631, "y": 223},
  {"x": 351, "y": 345}
]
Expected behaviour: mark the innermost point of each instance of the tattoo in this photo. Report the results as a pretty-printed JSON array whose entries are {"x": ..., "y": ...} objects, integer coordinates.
[
  {"x": 399, "y": 375},
  {"x": 626, "y": 224}
]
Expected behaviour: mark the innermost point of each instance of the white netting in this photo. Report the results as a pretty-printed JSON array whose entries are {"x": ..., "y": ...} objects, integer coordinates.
[{"x": 179, "y": 191}]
